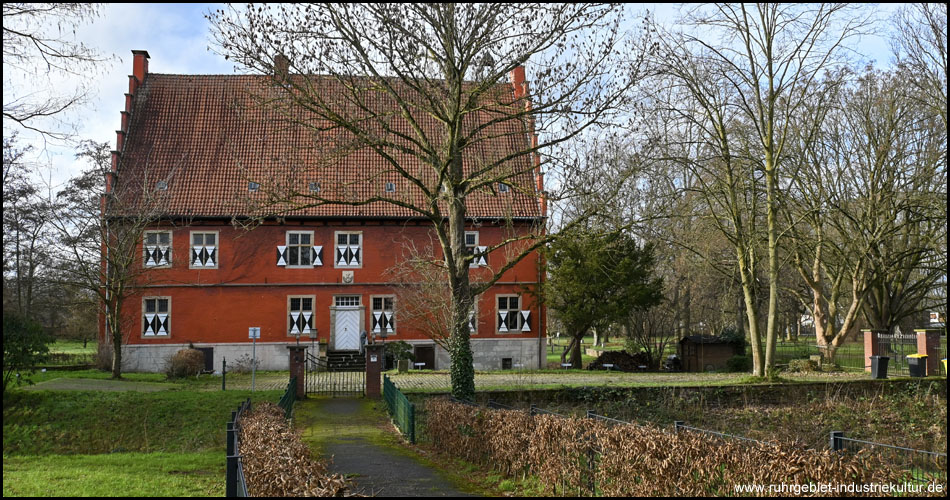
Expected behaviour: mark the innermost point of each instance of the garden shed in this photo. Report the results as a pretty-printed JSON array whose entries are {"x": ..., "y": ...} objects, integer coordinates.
[{"x": 702, "y": 353}]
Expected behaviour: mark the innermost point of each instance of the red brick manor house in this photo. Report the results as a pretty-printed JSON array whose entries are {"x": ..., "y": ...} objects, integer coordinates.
[{"x": 316, "y": 274}]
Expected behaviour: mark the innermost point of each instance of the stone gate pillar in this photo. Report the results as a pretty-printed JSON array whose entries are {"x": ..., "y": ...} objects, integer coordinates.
[
  {"x": 928, "y": 342},
  {"x": 871, "y": 346},
  {"x": 375, "y": 359},
  {"x": 298, "y": 358}
]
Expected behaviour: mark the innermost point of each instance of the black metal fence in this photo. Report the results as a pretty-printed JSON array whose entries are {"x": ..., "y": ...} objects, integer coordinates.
[
  {"x": 897, "y": 347},
  {"x": 679, "y": 425},
  {"x": 321, "y": 381},
  {"x": 924, "y": 467},
  {"x": 234, "y": 483}
]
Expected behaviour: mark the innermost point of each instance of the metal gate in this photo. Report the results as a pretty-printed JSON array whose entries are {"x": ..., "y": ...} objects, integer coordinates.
[
  {"x": 321, "y": 381},
  {"x": 897, "y": 347}
]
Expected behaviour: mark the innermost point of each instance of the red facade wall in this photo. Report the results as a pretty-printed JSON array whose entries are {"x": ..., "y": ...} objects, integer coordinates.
[{"x": 248, "y": 288}]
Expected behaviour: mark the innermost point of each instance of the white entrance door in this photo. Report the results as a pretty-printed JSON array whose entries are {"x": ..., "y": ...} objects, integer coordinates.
[{"x": 347, "y": 330}]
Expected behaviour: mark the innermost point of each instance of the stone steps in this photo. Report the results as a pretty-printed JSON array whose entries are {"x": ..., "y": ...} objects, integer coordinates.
[{"x": 338, "y": 361}]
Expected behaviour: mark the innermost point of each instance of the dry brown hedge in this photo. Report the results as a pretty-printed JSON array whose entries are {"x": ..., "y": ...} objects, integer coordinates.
[
  {"x": 277, "y": 463},
  {"x": 635, "y": 460}
]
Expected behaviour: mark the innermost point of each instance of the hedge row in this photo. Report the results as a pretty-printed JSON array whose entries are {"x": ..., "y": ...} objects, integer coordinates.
[
  {"x": 579, "y": 456},
  {"x": 277, "y": 463}
]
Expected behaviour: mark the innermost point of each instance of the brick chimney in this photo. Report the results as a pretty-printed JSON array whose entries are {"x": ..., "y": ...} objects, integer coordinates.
[
  {"x": 518, "y": 82},
  {"x": 281, "y": 67},
  {"x": 140, "y": 65}
]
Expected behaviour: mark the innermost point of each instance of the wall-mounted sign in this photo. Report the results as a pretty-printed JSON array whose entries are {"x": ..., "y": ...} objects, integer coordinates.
[
  {"x": 347, "y": 276},
  {"x": 372, "y": 358}
]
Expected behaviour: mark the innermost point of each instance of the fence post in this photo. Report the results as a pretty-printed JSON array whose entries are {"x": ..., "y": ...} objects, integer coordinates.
[
  {"x": 412, "y": 423},
  {"x": 836, "y": 443},
  {"x": 224, "y": 372},
  {"x": 230, "y": 476},
  {"x": 928, "y": 342},
  {"x": 871, "y": 346}
]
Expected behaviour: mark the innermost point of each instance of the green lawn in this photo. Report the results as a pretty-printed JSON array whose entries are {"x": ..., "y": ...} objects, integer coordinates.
[
  {"x": 116, "y": 474},
  {"x": 98, "y": 443},
  {"x": 65, "y": 346}
]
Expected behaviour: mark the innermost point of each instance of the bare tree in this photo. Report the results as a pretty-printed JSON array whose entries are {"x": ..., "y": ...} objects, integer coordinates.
[
  {"x": 101, "y": 227},
  {"x": 37, "y": 41},
  {"x": 424, "y": 88},
  {"x": 26, "y": 248},
  {"x": 746, "y": 71},
  {"x": 921, "y": 46}
]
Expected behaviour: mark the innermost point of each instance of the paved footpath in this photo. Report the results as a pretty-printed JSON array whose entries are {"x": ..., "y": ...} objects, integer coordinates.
[{"x": 354, "y": 432}]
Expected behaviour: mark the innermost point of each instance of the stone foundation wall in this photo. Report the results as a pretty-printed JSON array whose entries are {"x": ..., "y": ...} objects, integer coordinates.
[
  {"x": 487, "y": 354},
  {"x": 153, "y": 358}
]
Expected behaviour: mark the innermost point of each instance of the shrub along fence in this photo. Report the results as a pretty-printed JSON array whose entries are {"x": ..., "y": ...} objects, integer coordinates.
[
  {"x": 401, "y": 410},
  {"x": 603, "y": 456},
  {"x": 234, "y": 480}
]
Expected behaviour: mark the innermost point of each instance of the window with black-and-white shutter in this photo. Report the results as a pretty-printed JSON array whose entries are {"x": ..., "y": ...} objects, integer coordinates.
[
  {"x": 349, "y": 249},
  {"x": 472, "y": 248},
  {"x": 300, "y": 315},
  {"x": 157, "y": 248},
  {"x": 204, "y": 250},
  {"x": 383, "y": 318},
  {"x": 510, "y": 318},
  {"x": 156, "y": 316},
  {"x": 299, "y": 251}
]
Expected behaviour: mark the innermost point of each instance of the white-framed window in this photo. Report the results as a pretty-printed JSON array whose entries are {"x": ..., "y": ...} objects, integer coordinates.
[
  {"x": 300, "y": 315},
  {"x": 349, "y": 249},
  {"x": 472, "y": 248},
  {"x": 156, "y": 316},
  {"x": 157, "y": 248},
  {"x": 383, "y": 314},
  {"x": 510, "y": 318},
  {"x": 204, "y": 250},
  {"x": 299, "y": 252},
  {"x": 346, "y": 301}
]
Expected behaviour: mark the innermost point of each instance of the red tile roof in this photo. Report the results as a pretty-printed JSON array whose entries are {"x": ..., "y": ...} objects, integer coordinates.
[{"x": 208, "y": 136}]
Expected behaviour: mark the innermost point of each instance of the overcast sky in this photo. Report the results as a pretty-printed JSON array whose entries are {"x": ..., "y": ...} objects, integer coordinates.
[{"x": 177, "y": 39}]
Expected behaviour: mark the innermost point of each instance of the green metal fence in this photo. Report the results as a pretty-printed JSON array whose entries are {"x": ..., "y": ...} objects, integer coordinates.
[
  {"x": 287, "y": 400},
  {"x": 402, "y": 411}
]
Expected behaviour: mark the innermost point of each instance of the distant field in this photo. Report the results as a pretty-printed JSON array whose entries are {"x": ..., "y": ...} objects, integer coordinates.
[{"x": 72, "y": 347}]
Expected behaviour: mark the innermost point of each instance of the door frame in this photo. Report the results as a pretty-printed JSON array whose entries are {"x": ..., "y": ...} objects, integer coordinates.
[{"x": 361, "y": 321}]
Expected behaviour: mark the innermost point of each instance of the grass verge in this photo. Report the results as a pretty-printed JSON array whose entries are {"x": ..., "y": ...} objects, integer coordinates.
[
  {"x": 74, "y": 422},
  {"x": 116, "y": 474}
]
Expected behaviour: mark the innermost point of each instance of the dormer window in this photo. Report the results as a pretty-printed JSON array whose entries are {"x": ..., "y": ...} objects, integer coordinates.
[
  {"x": 502, "y": 187},
  {"x": 161, "y": 186},
  {"x": 314, "y": 187},
  {"x": 253, "y": 186},
  {"x": 390, "y": 187}
]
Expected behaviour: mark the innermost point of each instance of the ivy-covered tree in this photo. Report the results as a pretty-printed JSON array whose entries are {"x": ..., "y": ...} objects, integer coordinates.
[{"x": 597, "y": 278}]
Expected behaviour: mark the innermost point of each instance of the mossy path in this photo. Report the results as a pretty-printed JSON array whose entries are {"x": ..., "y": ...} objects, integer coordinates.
[{"x": 355, "y": 433}]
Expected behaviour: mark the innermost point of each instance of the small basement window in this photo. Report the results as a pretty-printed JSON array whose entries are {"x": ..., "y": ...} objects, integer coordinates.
[{"x": 505, "y": 363}]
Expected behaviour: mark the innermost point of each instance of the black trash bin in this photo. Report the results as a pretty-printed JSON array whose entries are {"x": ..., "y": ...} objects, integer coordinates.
[
  {"x": 879, "y": 366},
  {"x": 917, "y": 365}
]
